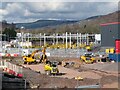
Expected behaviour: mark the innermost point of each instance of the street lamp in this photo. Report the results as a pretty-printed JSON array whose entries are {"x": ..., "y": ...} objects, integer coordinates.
[
  {"x": 22, "y": 38},
  {"x": 22, "y": 33}
]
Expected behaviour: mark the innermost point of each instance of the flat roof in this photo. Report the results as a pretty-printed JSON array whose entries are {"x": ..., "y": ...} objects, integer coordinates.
[{"x": 111, "y": 23}]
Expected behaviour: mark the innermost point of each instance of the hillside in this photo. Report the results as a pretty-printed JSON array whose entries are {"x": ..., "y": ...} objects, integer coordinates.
[
  {"x": 88, "y": 25},
  {"x": 43, "y": 23}
]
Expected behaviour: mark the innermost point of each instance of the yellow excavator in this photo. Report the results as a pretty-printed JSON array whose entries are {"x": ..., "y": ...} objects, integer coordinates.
[{"x": 29, "y": 59}]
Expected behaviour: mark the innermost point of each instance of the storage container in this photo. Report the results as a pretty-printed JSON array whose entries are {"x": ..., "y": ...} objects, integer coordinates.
[{"x": 117, "y": 46}]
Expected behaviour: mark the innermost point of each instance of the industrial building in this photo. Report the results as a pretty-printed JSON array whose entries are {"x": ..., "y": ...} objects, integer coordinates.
[
  {"x": 110, "y": 37},
  {"x": 109, "y": 33}
]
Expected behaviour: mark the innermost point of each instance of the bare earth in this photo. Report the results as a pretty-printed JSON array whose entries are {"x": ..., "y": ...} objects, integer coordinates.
[{"x": 104, "y": 74}]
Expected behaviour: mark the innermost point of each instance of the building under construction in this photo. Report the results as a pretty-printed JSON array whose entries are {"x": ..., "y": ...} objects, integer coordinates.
[{"x": 65, "y": 38}]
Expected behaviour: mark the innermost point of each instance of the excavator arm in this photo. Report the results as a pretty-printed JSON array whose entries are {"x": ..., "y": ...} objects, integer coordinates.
[
  {"x": 30, "y": 58},
  {"x": 32, "y": 55}
]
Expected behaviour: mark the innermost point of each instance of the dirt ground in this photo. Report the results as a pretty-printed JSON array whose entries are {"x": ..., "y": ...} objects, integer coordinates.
[{"x": 91, "y": 74}]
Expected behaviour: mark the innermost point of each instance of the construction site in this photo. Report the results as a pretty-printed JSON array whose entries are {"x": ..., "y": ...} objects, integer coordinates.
[{"x": 75, "y": 61}]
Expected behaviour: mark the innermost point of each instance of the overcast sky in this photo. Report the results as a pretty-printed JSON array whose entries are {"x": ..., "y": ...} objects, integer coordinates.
[{"x": 32, "y": 11}]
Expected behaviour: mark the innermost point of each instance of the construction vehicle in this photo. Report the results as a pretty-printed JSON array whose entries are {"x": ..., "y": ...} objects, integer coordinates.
[
  {"x": 88, "y": 58},
  {"x": 29, "y": 59},
  {"x": 51, "y": 68},
  {"x": 43, "y": 58},
  {"x": 88, "y": 48}
]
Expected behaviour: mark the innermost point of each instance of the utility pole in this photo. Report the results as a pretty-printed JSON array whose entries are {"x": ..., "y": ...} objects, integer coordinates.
[{"x": 22, "y": 36}]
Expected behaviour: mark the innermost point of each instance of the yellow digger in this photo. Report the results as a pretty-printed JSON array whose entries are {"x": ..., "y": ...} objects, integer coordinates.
[
  {"x": 88, "y": 48},
  {"x": 51, "y": 68},
  {"x": 29, "y": 59},
  {"x": 87, "y": 58}
]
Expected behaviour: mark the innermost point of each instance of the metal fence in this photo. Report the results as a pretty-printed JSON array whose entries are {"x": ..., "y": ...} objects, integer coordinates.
[
  {"x": 66, "y": 52},
  {"x": 53, "y": 52},
  {"x": 4, "y": 64},
  {"x": 10, "y": 50}
]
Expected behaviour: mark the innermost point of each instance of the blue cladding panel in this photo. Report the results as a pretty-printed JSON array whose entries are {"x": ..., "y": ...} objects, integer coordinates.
[
  {"x": 115, "y": 57},
  {"x": 118, "y": 57}
]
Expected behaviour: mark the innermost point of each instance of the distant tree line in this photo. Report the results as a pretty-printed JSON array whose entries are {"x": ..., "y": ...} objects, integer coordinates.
[{"x": 8, "y": 31}]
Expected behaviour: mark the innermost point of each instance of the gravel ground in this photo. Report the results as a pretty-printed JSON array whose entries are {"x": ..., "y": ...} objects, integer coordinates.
[
  {"x": 44, "y": 81},
  {"x": 37, "y": 80},
  {"x": 108, "y": 67}
]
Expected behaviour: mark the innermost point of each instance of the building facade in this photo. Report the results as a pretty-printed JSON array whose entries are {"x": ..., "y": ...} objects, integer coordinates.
[{"x": 109, "y": 33}]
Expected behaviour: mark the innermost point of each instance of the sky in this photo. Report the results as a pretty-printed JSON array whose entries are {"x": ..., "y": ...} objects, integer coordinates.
[{"x": 24, "y": 11}]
